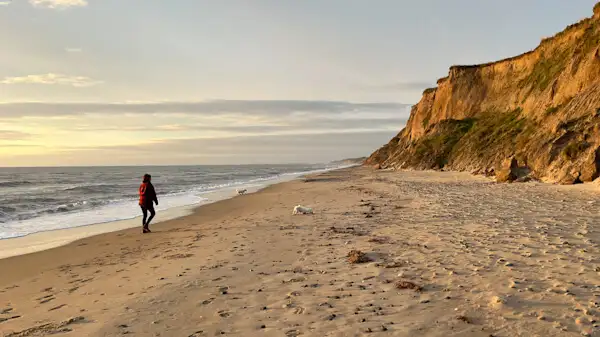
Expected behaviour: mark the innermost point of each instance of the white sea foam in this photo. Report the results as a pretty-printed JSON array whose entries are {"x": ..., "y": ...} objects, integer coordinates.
[
  {"x": 118, "y": 210},
  {"x": 111, "y": 212}
]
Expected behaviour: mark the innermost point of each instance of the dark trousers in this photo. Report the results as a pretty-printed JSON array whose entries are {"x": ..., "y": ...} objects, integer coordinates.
[{"x": 145, "y": 209}]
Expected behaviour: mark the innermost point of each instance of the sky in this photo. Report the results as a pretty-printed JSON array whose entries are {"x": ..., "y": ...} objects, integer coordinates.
[{"x": 155, "y": 82}]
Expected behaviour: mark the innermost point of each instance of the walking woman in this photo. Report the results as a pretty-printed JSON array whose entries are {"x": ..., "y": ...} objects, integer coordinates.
[{"x": 147, "y": 198}]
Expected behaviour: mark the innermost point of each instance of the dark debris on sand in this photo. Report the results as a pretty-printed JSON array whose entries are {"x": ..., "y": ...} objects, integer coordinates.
[
  {"x": 380, "y": 239},
  {"x": 356, "y": 256},
  {"x": 408, "y": 285}
]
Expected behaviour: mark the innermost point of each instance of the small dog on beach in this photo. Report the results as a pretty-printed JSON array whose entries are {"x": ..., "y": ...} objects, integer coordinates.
[
  {"x": 302, "y": 210},
  {"x": 242, "y": 191}
]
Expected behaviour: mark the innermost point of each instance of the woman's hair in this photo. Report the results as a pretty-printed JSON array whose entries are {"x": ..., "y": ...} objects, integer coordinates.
[{"x": 146, "y": 178}]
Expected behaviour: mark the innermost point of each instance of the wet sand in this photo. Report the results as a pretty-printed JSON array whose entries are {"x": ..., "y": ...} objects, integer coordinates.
[{"x": 441, "y": 254}]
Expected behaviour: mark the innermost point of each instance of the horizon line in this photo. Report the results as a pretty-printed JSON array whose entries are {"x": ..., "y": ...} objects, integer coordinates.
[{"x": 169, "y": 165}]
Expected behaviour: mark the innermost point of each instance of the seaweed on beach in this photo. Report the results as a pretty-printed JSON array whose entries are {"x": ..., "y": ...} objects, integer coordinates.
[
  {"x": 356, "y": 256},
  {"x": 408, "y": 285}
]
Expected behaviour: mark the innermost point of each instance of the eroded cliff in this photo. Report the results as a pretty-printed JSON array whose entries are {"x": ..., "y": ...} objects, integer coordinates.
[{"x": 541, "y": 107}]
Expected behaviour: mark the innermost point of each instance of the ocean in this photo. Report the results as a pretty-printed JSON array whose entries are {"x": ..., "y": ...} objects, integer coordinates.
[{"x": 43, "y": 199}]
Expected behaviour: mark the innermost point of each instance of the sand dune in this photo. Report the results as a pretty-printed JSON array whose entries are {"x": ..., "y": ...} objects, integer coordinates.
[{"x": 445, "y": 254}]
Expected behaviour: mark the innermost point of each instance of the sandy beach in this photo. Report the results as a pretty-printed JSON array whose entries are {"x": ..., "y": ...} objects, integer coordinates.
[{"x": 445, "y": 254}]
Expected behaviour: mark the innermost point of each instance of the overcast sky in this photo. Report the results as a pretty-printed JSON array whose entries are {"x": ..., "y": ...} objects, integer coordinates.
[{"x": 114, "y": 82}]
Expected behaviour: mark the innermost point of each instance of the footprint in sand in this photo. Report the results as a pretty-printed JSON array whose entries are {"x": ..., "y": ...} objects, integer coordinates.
[
  {"x": 9, "y": 318},
  {"x": 223, "y": 313},
  {"x": 57, "y": 307},
  {"x": 292, "y": 333},
  {"x": 46, "y": 299},
  {"x": 299, "y": 310},
  {"x": 178, "y": 256},
  {"x": 208, "y": 301}
]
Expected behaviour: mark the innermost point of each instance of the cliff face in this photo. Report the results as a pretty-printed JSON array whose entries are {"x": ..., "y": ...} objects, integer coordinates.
[{"x": 541, "y": 107}]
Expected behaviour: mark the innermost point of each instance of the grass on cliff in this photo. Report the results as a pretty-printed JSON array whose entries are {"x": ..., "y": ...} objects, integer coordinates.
[
  {"x": 589, "y": 42},
  {"x": 573, "y": 150},
  {"x": 553, "y": 62},
  {"x": 494, "y": 128},
  {"x": 547, "y": 69},
  {"x": 425, "y": 122},
  {"x": 433, "y": 150},
  {"x": 489, "y": 137},
  {"x": 551, "y": 110},
  {"x": 496, "y": 136}
]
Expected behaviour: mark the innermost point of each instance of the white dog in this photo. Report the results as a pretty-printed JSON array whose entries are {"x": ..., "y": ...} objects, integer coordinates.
[
  {"x": 302, "y": 210},
  {"x": 243, "y": 191}
]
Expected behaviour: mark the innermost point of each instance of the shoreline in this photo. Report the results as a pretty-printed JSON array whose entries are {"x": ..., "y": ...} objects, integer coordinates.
[
  {"x": 61, "y": 254},
  {"x": 53, "y": 238},
  {"x": 45, "y": 240},
  {"x": 81, "y": 218}
]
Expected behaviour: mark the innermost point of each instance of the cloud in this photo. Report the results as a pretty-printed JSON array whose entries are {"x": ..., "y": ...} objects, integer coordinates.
[
  {"x": 275, "y": 149},
  {"x": 13, "y": 135},
  {"x": 73, "y": 50},
  {"x": 289, "y": 126},
  {"x": 11, "y": 146},
  {"x": 58, "y": 4},
  {"x": 280, "y": 109},
  {"x": 401, "y": 86},
  {"x": 52, "y": 79},
  {"x": 211, "y": 132}
]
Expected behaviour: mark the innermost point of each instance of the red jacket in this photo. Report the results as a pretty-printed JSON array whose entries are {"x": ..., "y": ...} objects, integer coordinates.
[{"x": 147, "y": 194}]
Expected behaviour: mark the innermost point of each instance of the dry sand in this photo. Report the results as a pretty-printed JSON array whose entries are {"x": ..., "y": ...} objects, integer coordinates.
[{"x": 445, "y": 254}]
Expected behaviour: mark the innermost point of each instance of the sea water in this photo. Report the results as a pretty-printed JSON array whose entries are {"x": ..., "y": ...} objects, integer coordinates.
[{"x": 36, "y": 200}]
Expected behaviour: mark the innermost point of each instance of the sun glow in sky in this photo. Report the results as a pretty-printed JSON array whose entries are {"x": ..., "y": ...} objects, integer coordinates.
[{"x": 113, "y": 82}]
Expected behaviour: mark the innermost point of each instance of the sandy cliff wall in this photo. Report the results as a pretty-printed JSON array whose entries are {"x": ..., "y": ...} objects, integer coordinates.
[{"x": 542, "y": 107}]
